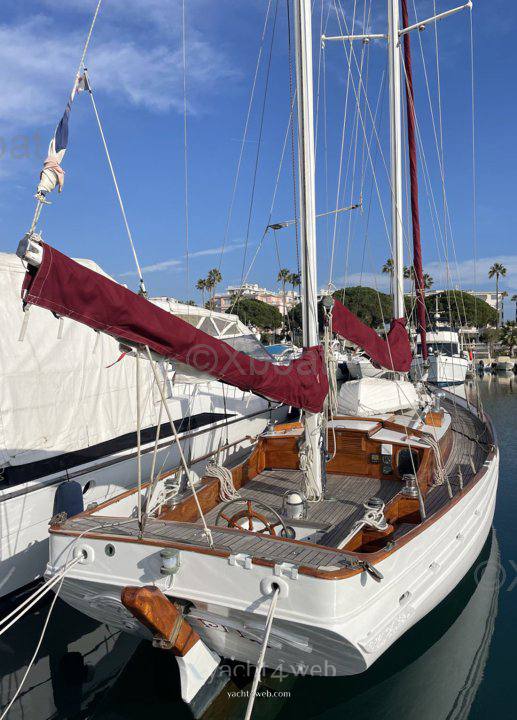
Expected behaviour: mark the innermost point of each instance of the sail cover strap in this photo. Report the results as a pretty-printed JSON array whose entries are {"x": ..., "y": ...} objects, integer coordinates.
[
  {"x": 71, "y": 290},
  {"x": 394, "y": 353}
]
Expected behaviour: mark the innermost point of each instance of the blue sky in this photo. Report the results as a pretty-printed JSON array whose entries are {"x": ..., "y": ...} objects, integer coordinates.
[{"x": 135, "y": 66}]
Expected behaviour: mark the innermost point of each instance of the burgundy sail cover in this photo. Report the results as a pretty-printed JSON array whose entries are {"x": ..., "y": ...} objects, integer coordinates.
[
  {"x": 71, "y": 290},
  {"x": 394, "y": 353}
]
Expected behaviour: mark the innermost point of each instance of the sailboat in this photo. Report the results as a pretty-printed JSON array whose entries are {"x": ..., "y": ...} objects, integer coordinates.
[{"x": 336, "y": 534}]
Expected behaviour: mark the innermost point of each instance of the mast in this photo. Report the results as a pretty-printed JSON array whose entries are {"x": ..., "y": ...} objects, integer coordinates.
[
  {"x": 413, "y": 173},
  {"x": 306, "y": 172},
  {"x": 397, "y": 235}
]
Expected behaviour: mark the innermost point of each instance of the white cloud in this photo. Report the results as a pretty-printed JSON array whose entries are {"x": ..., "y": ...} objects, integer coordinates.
[
  {"x": 175, "y": 264},
  {"x": 39, "y": 57},
  {"x": 468, "y": 274},
  {"x": 156, "y": 267},
  {"x": 218, "y": 250}
]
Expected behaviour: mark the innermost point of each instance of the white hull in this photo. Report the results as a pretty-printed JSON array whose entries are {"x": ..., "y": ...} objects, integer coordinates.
[
  {"x": 442, "y": 370},
  {"x": 324, "y": 626},
  {"x": 26, "y": 509},
  {"x": 361, "y": 368}
]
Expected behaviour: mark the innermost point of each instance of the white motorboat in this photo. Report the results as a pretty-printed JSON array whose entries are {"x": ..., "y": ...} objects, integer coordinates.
[
  {"x": 446, "y": 363},
  {"x": 505, "y": 363},
  {"x": 66, "y": 416}
]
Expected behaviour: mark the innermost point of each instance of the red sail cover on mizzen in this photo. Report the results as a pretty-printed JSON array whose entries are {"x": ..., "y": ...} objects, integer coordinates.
[
  {"x": 393, "y": 353},
  {"x": 72, "y": 290}
]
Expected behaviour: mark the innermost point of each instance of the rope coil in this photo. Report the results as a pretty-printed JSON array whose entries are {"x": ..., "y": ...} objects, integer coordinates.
[{"x": 227, "y": 489}]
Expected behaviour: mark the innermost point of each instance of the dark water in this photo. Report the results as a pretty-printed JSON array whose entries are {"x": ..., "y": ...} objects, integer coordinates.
[{"x": 457, "y": 663}]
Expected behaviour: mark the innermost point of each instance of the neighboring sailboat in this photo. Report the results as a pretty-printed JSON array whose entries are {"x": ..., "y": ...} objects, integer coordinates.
[{"x": 336, "y": 534}]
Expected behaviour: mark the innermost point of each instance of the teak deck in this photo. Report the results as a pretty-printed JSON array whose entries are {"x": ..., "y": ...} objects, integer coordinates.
[{"x": 271, "y": 470}]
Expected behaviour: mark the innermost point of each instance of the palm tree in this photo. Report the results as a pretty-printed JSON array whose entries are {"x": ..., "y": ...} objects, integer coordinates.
[
  {"x": 514, "y": 300},
  {"x": 388, "y": 269},
  {"x": 428, "y": 281},
  {"x": 509, "y": 337},
  {"x": 202, "y": 287},
  {"x": 213, "y": 279},
  {"x": 409, "y": 273},
  {"x": 284, "y": 277},
  {"x": 497, "y": 270},
  {"x": 295, "y": 280}
]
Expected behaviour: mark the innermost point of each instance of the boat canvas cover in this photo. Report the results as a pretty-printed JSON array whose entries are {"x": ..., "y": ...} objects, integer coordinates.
[
  {"x": 56, "y": 393},
  {"x": 376, "y": 396},
  {"x": 71, "y": 290},
  {"x": 394, "y": 353}
]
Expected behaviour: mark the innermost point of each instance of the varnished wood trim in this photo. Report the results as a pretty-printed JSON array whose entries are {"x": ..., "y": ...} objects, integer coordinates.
[{"x": 373, "y": 558}]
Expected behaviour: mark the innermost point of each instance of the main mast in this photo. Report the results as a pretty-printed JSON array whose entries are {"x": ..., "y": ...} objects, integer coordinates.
[
  {"x": 306, "y": 173},
  {"x": 397, "y": 229}
]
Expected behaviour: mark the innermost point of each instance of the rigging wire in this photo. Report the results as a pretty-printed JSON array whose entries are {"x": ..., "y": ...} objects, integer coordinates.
[
  {"x": 474, "y": 178},
  {"x": 185, "y": 149},
  {"x": 259, "y": 143},
  {"x": 442, "y": 177},
  {"x": 238, "y": 295},
  {"x": 293, "y": 153},
  {"x": 206, "y": 530},
  {"x": 245, "y": 133},
  {"x": 40, "y": 202},
  {"x": 342, "y": 148},
  {"x": 365, "y": 51},
  {"x": 351, "y": 54},
  {"x": 143, "y": 290}
]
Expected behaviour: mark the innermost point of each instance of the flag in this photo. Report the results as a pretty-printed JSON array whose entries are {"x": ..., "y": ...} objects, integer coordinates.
[{"x": 52, "y": 174}]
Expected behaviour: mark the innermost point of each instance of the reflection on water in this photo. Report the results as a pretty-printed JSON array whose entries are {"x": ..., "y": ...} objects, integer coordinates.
[{"x": 442, "y": 668}]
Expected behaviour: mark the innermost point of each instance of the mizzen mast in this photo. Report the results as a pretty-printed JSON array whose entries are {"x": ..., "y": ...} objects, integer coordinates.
[{"x": 307, "y": 224}]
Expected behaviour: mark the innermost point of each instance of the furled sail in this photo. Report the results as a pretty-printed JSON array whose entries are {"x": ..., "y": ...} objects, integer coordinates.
[
  {"x": 394, "y": 353},
  {"x": 71, "y": 290}
]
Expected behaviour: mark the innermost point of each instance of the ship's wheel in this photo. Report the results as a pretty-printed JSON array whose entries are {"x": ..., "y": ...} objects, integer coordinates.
[{"x": 249, "y": 519}]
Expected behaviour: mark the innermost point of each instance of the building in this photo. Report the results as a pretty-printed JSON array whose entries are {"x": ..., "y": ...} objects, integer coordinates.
[{"x": 224, "y": 301}]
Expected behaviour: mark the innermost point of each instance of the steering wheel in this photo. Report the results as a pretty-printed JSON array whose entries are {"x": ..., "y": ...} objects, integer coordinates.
[{"x": 251, "y": 514}]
